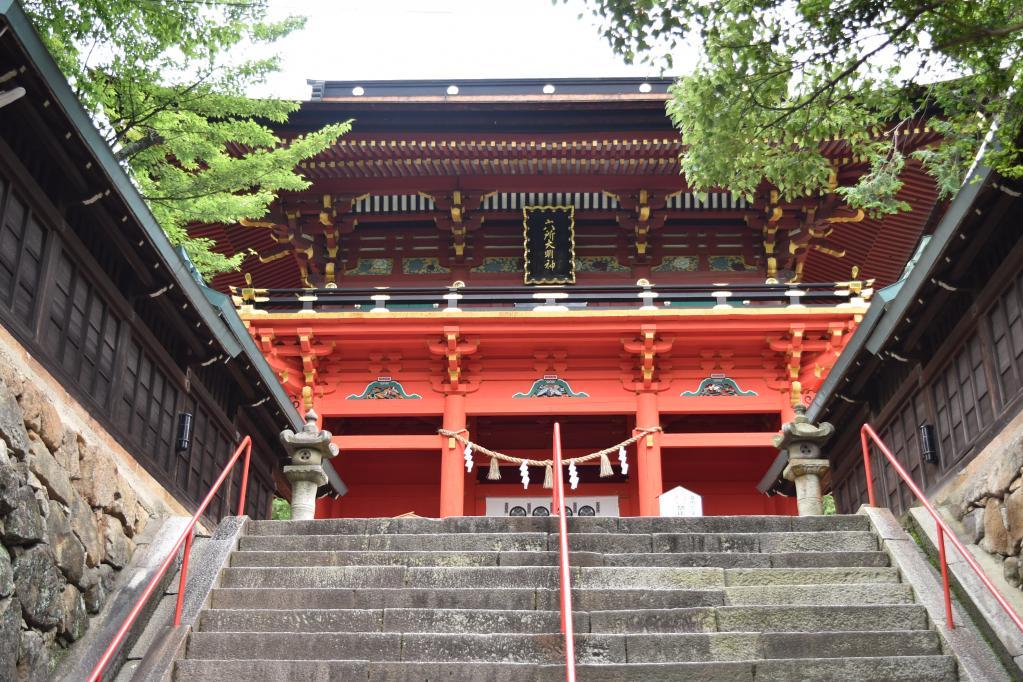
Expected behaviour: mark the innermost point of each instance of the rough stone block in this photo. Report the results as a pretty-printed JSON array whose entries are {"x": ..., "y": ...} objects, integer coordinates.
[
  {"x": 1006, "y": 467},
  {"x": 124, "y": 505},
  {"x": 24, "y": 524},
  {"x": 6, "y": 574},
  {"x": 67, "y": 455},
  {"x": 11, "y": 377},
  {"x": 49, "y": 472},
  {"x": 10, "y": 483},
  {"x": 38, "y": 585},
  {"x": 996, "y": 535},
  {"x": 98, "y": 583},
  {"x": 973, "y": 522},
  {"x": 10, "y": 637},
  {"x": 40, "y": 416},
  {"x": 1010, "y": 570},
  {"x": 66, "y": 547},
  {"x": 1014, "y": 514},
  {"x": 117, "y": 547},
  {"x": 34, "y": 659},
  {"x": 83, "y": 524},
  {"x": 75, "y": 621},
  {"x": 98, "y": 482},
  {"x": 12, "y": 426}
]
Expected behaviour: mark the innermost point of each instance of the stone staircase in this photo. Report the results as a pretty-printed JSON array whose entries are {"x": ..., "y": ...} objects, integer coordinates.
[{"x": 716, "y": 598}]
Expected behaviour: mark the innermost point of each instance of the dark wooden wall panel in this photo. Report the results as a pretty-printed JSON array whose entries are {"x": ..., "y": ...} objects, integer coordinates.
[
  {"x": 967, "y": 383},
  {"x": 65, "y": 299}
]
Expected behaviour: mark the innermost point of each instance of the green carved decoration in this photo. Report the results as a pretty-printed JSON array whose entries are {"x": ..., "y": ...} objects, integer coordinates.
[
  {"x": 384, "y": 388},
  {"x": 717, "y": 385},
  {"x": 550, "y": 386}
]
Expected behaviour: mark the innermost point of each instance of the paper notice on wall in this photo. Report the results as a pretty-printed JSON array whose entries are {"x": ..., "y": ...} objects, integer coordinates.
[{"x": 681, "y": 502}]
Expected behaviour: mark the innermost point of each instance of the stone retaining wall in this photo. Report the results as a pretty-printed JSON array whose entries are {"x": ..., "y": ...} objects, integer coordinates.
[
  {"x": 67, "y": 519},
  {"x": 987, "y": 499}
]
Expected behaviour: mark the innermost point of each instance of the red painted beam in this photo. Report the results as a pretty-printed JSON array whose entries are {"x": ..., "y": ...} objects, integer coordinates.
[
  {"x": 384, "y": 442},
  {"x": 757, "y": 439}
]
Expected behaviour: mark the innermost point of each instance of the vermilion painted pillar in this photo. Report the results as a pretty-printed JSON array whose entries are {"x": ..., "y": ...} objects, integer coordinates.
[
  {"x": 651, "y": 484},
  {"x": 452, "y": 459}
]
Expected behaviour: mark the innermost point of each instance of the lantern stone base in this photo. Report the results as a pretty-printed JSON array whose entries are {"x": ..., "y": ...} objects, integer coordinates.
[
  {"x": 807, "y": 474},
  {"x": 304, "y": 479}
]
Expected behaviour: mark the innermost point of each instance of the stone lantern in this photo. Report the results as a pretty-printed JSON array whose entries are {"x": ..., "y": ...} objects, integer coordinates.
[
  {"x": 801, "y": 441},
  {"x": 307, "y": 450}
]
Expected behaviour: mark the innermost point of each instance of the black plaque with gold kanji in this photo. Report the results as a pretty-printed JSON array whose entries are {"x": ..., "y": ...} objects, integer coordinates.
[{"x": 549, "y": 235}]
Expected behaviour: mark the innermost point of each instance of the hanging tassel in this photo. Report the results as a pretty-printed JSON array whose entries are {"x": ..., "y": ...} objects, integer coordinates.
[
  {"x": 573, "y": 476},
  {"x": 605, "y": 467},
  {"x": 524, "y": 472},
  {"x": 623, "y": 460},
  {"x": 495, "y": 470},
  {"x": 468, "y": 457},
  {"x": 548, "y": 477}
]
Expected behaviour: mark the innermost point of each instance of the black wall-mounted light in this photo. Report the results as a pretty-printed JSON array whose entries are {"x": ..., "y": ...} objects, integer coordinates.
[
  {"x": 929, "y": 444},
  {"x": 184, "y": 438}
]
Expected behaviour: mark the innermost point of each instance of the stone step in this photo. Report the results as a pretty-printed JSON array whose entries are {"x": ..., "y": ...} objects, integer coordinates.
[
  {"x": 492, "y": 524},
  {"x": 761, "y": 619},
  {"x": 838, "y": 577},
  {"x": 824, "y": 595},
  {"x": 397, "y": 541},
  {"x": 547, "y": 648},
  {"x": 543, "y": 558},
  {"x": 545, "y": 576},
  {"x": 463, "y": 598},
  {"x": 389, "y": 620},
  {"x": 407, "y": 671},
  {"x": 772, "y": 542},
  {"x": 877, "y": 669},
  {"x": 768, "y": 619}
]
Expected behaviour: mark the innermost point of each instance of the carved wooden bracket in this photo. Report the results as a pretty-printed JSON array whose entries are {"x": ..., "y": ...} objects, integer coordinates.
[
  {"x": 453, "y": 348},
  {"x": 647, "y": 348}
]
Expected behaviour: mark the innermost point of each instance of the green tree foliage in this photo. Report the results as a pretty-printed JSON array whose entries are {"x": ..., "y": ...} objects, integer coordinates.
[
  {"x": 166, "y": 82},
  {"x": 776, "y": 77},
  {"x": 281, "y": 510}
]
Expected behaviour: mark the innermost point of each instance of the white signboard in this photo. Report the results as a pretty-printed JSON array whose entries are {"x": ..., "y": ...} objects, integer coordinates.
[{"x": 681, "y": 502}]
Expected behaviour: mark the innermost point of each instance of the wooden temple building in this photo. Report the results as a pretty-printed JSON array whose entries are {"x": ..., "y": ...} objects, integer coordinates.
[{"x": 498, "y": 255}]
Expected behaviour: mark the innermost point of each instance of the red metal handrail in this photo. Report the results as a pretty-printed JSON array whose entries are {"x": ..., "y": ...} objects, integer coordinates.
[
  {"x": 868, "y": 434},
  {"x": 186, "y": 537},
  {"x": 558, "y": 507}
]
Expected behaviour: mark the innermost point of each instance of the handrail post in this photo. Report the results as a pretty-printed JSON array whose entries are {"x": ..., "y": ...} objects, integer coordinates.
[
  {"x": 184, "y": 576},
  {"x": 558, "y": 494},
  {"x": 245, "y": 480},
  {"x": 944, "y": 578},
  {"x": 866, "y": 467}
]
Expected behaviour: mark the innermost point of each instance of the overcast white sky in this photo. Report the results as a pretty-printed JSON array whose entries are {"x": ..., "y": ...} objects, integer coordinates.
[{"x": 407, "y": 39}]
